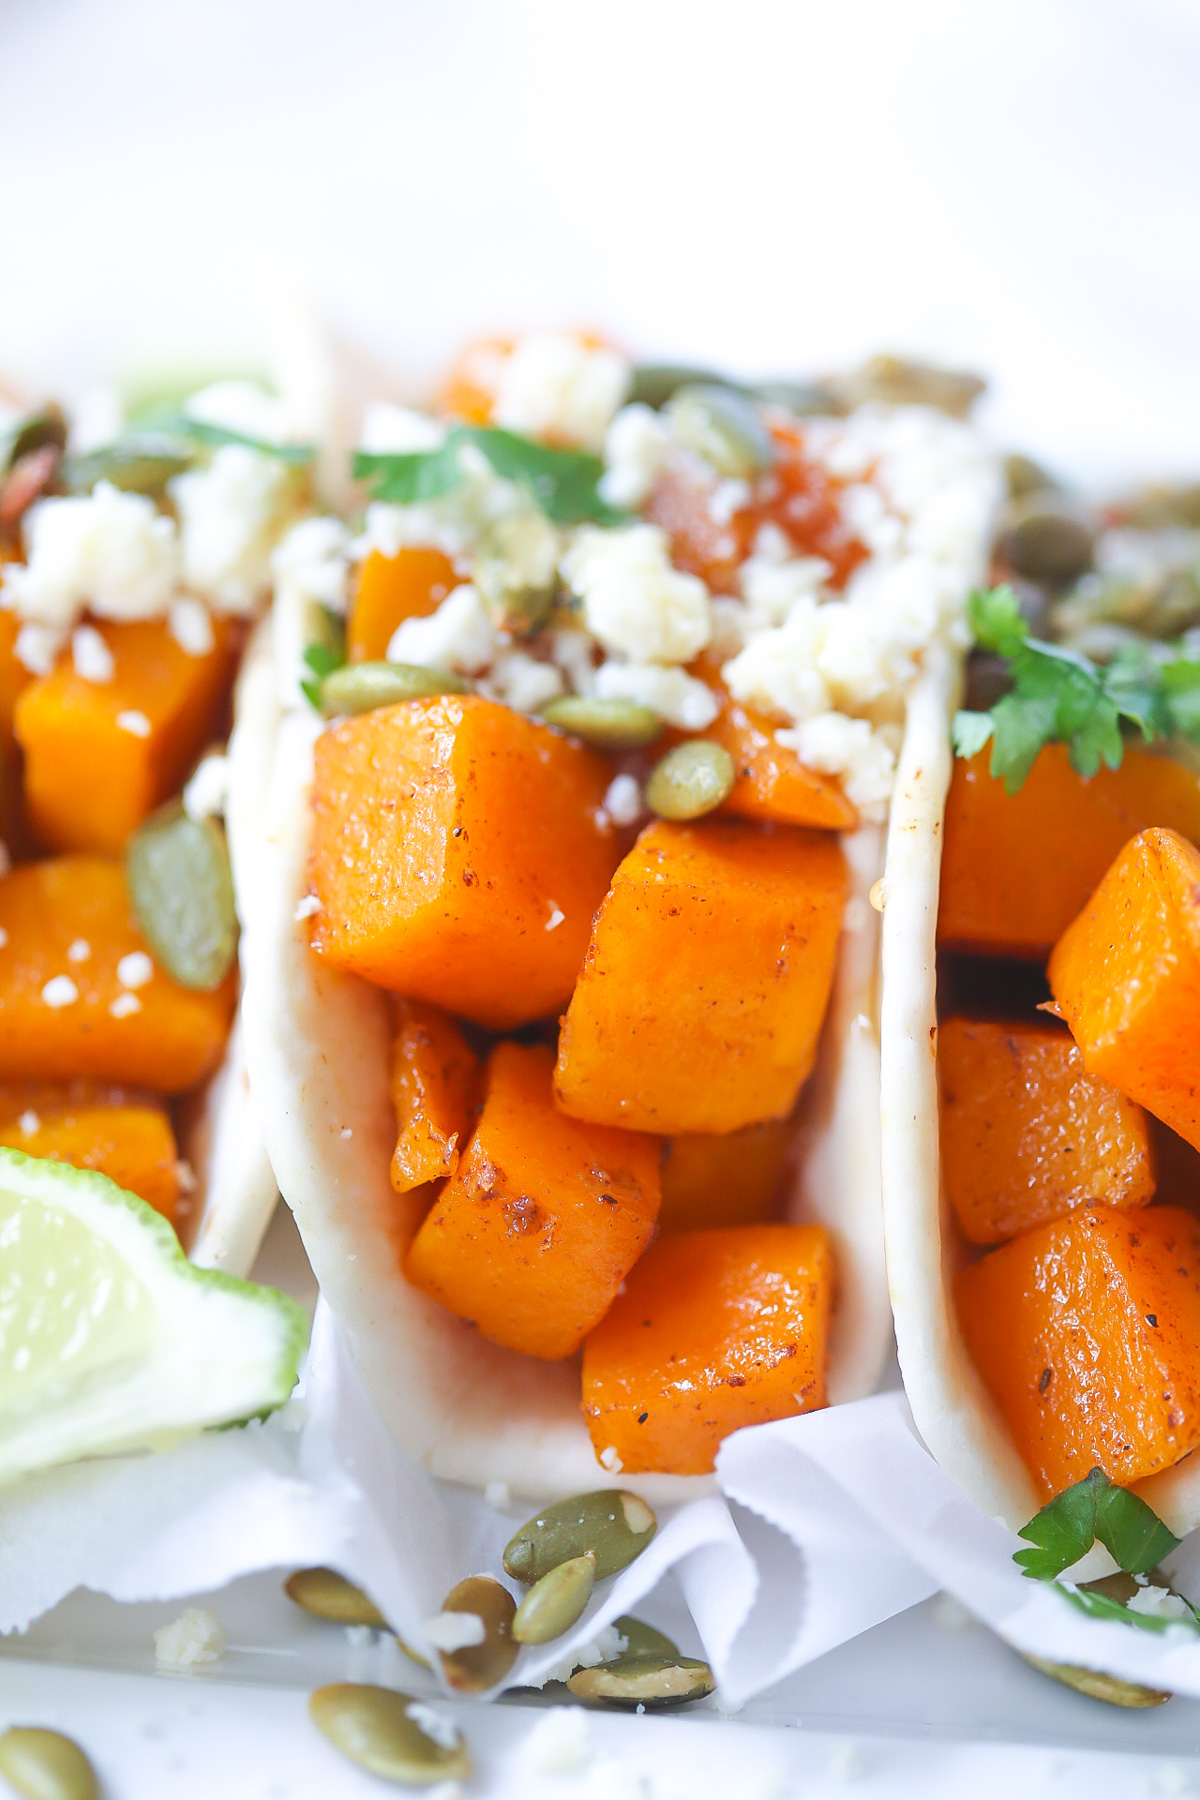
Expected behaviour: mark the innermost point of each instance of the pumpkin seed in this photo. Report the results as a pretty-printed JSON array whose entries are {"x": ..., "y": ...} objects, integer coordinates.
[
  {"x": 389, "y": 1733},
  {"x": 361, "y": 687},
  {"x": 481, "y": 1666},
  {"x": 1097, "y": 1685},
  {"x": 182, "y": 891},
  {"x": 653, "y": 384},
  {"x": 804, "y": 399},
  {"x": 604, "y": 724},
  {"x": 690, "y": 780},
  {"x": 553, "y": 1604},
  {"x": 137, "y": 465},
  {"x": 612, "y": 1523},
  {"x": 45, "y": 1765},
  {"x": 41, "y": 430},
  {"x": 1046, "y": 541},
  {"x": 722, "y": 425},
  {"x": 1024, "y": 476},
  {"x": 895, "y": 381},
  {"x": 644, "y": 1680},
  {"x": 327, "y": 1595},
  {"x": 516, "y": 571},
  {"x": 642, "y": 1639}
]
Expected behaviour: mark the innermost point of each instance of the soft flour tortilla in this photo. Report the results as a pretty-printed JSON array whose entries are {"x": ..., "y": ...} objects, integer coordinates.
[
  {"x": 317, "y": 1045},
  {"x": 954, "y": 1413}
]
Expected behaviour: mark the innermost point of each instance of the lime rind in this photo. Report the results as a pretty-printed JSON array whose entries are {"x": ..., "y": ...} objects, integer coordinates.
[{"x": 110, "y": 1339}]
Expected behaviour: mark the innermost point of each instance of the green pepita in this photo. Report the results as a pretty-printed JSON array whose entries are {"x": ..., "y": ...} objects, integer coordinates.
[
  {"x": 604, "y": 724},
  {"x": 180, "y": 883},
  {"x": 642, "y": 1639},
  {"x": 644, "y": 1680},
  {"x": 1024, "y": 476},
  {"x": 390, "y": 1734},
  {"x": 41, "y": 430},
  {"x": 45, "y": 1765},
  {"x": 804, "y": 399},
  {"x": 554, "y": 1603},
  {"x": 653, "y": 384},
  {"x": 361, "y": 687},
  {"x": 480, "y": 1666},
  {"x": 516, "y": 571},
  {"x": 722, "y": 425},
  {"x": 1099, "y": 1686},
  {"x": 1046, "y": 541},
  {"x": 691, "y": 780},
  {"x": 327, "y": 1595},
  {"x": 613, "y": 1524},
  {"x": 138, "y": 465},
  {"x": 896, "y": 381}
]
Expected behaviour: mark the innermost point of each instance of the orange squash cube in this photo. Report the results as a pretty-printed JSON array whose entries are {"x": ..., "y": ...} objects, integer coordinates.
[
  {"x": 715, "y": 1330},
  {"x": 737, "y": 1179},
  {"x": 1087, "y": 1334},
  {"x": 128, "y": 1140},
  {"x": 459, "y": 853},
  {"x": 101, "y": 755},
  {"x": 410, "y": 585},
  {"x": 701, "y": 1000},
  {"x": 1126, "y": 976},
  {"x": 435, "y": 1076},
  {"x": 543, "y": 1219},
  {"x": 1027, "y": 1134},
  {"x": 72, "y": 1005},
  {"x": 771, "y": 782},
  {"x": 1016, "y": 868}
]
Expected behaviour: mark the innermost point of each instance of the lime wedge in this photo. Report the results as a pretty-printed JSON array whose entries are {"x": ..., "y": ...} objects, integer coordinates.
[{"x": 110, "y": 1340}]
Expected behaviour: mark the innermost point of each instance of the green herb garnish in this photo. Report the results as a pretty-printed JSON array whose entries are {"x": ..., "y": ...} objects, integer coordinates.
[
  {"x": 1094, "y": 1508},
  {"x": 324, "y": 657},
  {"x": 177, "y": 424},
  {"x": 1103, "y": 1606},
  {"x": 564, "y": 484},
  {"x": 1060, "y": 696}
]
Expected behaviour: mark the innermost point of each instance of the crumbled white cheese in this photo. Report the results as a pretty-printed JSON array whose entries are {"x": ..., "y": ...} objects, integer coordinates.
[
  {"x": 312, "y": 559},
  {"x": 634, "y": 601},
  {"x": 59, "y": 991},
  {"x": 79, "y": 950},
  {"x": 434, "y": 1724},
  {"x": 206, "y": 793},
  {"x": 635, "y": 448},
  {"x": 306, "y": 908},
  {"x": 389, "y": 430},
  {"x": 124, "y": 1006},
  {"x": 29, "y": 1123},
  {"x": 450, "y": 1631},
  {"x": 771, "y": 585},
  {"x": 459, "y": 635},
  {"x": 1160, "y": 1603},
  {"x": 727, "y": 498},
  {"x": 135, "y": 723},
  {"x": 560, "y": 1743},
  {"x": 607, "y": 1643},
  {"x": 553, "y": 385},
  {"x": 241, "y": 406},
  {"x": 574, "y": 652},
  {"x": 609, "y": 1458},
  {"x": 674, "y": 696},
  {"x": 37, "y": 647},
  {"x": 109, "y": 552},
  {"x": 623, "y": 800},
  {"x": 91, "y": 656},
  {"x": 557, "y": 915},
  {"x": 833, "y": 744},
  {"x": 135, "y": 969},
  {"x": 522, "y": 682},
  {"x": 190, "y": 624},
  {"x": 231, "y": 514},
  {"x": 197, "y": 1636}
]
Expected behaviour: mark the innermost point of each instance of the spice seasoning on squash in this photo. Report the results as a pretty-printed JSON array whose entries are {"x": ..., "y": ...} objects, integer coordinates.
[
  {"x": 435, "y": 1077},
  {"x": 101, "y": 755},
  {"x": 64, "y": 1014},
  {"x": 735, "y": 1179},
  {"x": 1126, "y": 977},
  {"x": 459, "y": 853},
  {"x": 1027, "y": 1134},
  {"x": 410, "y": 585},
  {"x": 132, "y": 1144},
  {"x": 543, "y": 1219},
  {"x": 1085, "y": 1331},
  {"x": 700, "y": 1002},
  {"x": 714, "y": 1330},
  {"x": 1016, "y": 868}
]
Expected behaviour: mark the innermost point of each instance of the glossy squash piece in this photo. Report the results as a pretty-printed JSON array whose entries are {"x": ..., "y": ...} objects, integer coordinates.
[
  {"x": 714, "y": 1330},
  {"x": 735, "y": 1179},
  {"x": 544, "y": 1218},
  {"x": 101, "y": 755},
  {"x": 1126, "y": 976},
  {"x": 410, "y": 585},
  {"x": 127, "y": 1139},
  {"x": 1087, "y": 1334},
  {"x": 66, "y": 1012},
  {"x": 435, "y": 1078},
  {"x": 701, "y": 1000},
  {"x": 1027, "y": 1134},
  {"x": 771, "y": 782},
  {"x": 459, "y": 853},
  {"x": 1016, "y": 868}
]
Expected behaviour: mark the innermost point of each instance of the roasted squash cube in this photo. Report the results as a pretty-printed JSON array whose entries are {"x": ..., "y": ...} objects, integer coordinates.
[
  {"x": 128, "y": 1139},
  {"x": 770, "y": 782},
  {"x": 410, "y": 585},
  {"x": 435, "y": 1075},
  {"x": 735, "y": 1179}
]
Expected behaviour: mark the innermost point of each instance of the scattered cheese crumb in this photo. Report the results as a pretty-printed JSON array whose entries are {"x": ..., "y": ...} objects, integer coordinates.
[
  {"x": 606, "y": 1644},
  {"x": 677, "y": 697},
  {"x": 522, "y": 682},
  {"x": 635, "y": 448},
  {"x": 634, "y": 601},
  {"x": 60, "y": 990},
  {"x": 833, "y": 744},
  {"x": 560, "y": 1743},
  {"x": 206, "y": 793},
  {"x": 190, "y": 624},
  {"x": 611, "y": 1460},
  {"x": 306, "y": 908},
  {"x": 79, "y": 950},
  {"x": 347, "y": 1131},
  {"x": 623, "y": 800},
  {"x": 108, "y": 552},
  {"x": 389, "y": 430},
  {"x": 29, "y": 1123},
  {"x": 37, "y": 646},
  {"x": 497, "y": 1493},
  {"x": 231, "y": 515},
  {"x": 185, "y": 1175},
  {"x": 434, "y": 1724},
  {"x": 135, "y": 970},
  {"x": 197, "y": 1636},
  {"x": 1160, "y": 1603},
  {"x": 458, "y": 635},
  {"x": 452, "y": 1631},
  {"x": 124, "y": 1006},
  {"x": 556, "y": 918},
  {"x": 136, "y": 723},
  {"x": 91, "y": 655},
  {"x": 554, "y": 385}
]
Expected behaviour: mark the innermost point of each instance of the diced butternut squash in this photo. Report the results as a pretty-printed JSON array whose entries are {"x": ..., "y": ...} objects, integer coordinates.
[
  {"x": 714, "y": 1330},
  {"x": 733, "y": 1180},
  {"x": 1087, "y": 1334},
  {"x": 13, "y": 674},
  {"x": 771, "y": 782},
  {"x": 544, "y": 1218},
  {"x": 101, "y": 755},
  {"x": 1028, "y": 1134},
  {"x": 1017, "y": 868},
  {"x": 435, "y": 1076},
  {"x": 410, "y": 585},
  {"x": 470, "y": 387},
  {"x": 72, "y": 1005},
  {"x": 459, "y": 854},
  {"x": 1126, "y": 976},
  {"x": 701, "y": 1000},
  {"x": 130, "y": 1142}
]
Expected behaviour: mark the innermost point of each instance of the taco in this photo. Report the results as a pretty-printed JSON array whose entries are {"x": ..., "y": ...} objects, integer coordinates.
[
  {"x": 1040, "y": 1139},
  {"x": 562, "y": 972}
]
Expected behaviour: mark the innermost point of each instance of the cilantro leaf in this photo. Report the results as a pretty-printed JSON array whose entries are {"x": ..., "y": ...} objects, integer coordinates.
[
  {"x": 418, "y": 475},
  {"x": 202, "y": 431},
  {"x": 1066, "y": 1528},
  {"x": 996, "y": 621},
  {"x": 1181, "y": 696},
  {"x": 971, "y": 731},
  {"x": 324, "y": 656},
  {"x": 564, "y": 484},
  {"x": 1101, "y": 1606},
  {"x": 1132, "y": 1532}
]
